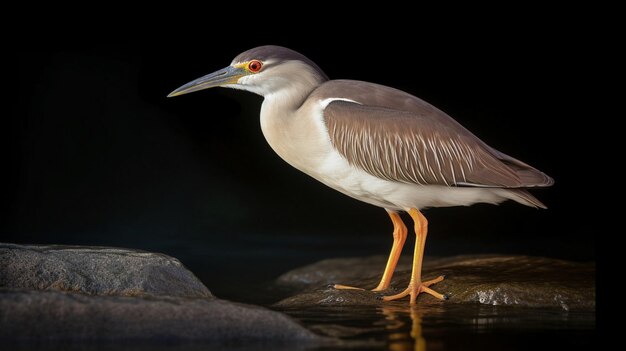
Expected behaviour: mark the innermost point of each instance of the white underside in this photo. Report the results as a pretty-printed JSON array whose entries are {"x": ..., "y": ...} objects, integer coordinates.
[
  {"x": 338, "y": 174},
  {"x": 302, "y": 140}
]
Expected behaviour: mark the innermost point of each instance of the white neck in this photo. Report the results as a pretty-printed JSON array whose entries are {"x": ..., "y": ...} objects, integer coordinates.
[
  {"x": 285, "y": 89},
  {"x": 286, "y": 130}
]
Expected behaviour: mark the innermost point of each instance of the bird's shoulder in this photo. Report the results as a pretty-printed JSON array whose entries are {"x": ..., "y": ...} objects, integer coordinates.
[
  {"x": 374, "y": 95},
  {"x": 347, "y": 101}
]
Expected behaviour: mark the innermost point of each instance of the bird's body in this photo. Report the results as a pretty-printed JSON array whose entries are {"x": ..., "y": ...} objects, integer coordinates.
[
  {"x": 374, "y": 143},
  {"x": 306, "y": 137}
]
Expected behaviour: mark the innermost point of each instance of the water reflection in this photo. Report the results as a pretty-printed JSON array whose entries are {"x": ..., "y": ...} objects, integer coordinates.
[
  {"x": 404, "y": 326},
  {"x": 446, "y": 326},
  {"x": 396, "y": 324}
]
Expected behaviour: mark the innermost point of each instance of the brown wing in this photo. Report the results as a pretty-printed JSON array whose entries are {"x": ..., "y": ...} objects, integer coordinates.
[{"x": 421, "y": 146}]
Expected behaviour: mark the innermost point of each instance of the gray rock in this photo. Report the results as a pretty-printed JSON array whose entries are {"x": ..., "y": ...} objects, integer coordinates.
[
  {"x": 70, "y": 294},
  {"x": 493, "y": 280},
  {"x": 96, "y": 271},
  {"x": 58, "y": 316}
]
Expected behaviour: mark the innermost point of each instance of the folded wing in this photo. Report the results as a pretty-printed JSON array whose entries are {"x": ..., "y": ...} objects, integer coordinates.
[{"x": 425, "y": 147}]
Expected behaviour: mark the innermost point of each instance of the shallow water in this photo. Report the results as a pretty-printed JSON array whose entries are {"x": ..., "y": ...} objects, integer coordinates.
[{"x": 441, "y": 326}]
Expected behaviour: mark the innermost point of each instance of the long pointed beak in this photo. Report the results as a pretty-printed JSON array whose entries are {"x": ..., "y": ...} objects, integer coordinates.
[{"x": 225, "y": 76}]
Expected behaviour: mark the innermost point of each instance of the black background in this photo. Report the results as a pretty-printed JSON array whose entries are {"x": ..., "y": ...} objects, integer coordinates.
[{"x": 97, "y": 155}]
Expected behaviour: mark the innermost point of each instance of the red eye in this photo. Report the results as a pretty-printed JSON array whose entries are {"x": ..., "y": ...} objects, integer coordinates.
[{"x": 255, "y": 66}]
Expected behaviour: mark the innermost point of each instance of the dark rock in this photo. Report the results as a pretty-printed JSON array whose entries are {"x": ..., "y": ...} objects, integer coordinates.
[
  {"x": 96, "y": 271},
  {"x": 494, "y": 280},
  {"x": 74, "y": 294},
  {"x": 55, "y": 315}
]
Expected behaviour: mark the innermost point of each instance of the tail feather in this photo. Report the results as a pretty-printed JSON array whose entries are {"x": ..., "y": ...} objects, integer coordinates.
[
  {"x": 532, "y": 177},
  {"x": 528, "y": 175},
  {"x": 525, "y": 198}
]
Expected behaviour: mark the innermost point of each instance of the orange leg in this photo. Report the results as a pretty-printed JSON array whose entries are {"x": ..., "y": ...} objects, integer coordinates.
[
  {"x": 416, "y": 286},
  {"x": 399, "y": 237}
]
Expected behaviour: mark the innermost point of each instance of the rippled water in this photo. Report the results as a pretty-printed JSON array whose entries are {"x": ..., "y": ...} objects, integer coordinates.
[{"x": 440, "y": 326}]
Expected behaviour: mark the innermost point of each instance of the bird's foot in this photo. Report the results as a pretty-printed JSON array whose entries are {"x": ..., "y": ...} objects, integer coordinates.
[{"x": 415, "y": 289}]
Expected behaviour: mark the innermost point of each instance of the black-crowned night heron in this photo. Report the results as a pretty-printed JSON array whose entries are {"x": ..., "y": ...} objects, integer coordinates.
[{"x": 374, "y": 143}]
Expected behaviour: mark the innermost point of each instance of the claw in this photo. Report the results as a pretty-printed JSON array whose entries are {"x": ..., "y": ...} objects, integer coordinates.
[{"x": 413, "y": 291}]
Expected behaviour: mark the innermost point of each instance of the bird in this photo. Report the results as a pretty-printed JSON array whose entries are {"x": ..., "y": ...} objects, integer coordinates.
[{"x": 376, "y": 144}]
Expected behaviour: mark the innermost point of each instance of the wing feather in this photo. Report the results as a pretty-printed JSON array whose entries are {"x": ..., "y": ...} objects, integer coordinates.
[{"x": 423, "y": 146}]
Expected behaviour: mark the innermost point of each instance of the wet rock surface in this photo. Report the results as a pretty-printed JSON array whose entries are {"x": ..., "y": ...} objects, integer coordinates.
[
  {"x": 97, "y": 294},
  {"x": 490, "y": 280}
]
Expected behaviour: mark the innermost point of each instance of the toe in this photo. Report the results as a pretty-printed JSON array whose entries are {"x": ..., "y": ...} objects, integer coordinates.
[{"x": 345, "y": 287}]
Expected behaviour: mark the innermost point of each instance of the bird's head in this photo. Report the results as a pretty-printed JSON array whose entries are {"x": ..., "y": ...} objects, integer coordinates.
[{"x": 263, "y": 70}]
